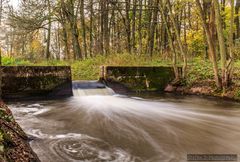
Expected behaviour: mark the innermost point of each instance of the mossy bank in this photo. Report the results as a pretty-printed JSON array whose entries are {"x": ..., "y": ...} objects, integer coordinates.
[{"x": 14, "y": 146}]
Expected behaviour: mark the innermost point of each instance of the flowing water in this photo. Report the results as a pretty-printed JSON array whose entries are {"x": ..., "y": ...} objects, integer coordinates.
[{"x": 99, "y": 128}]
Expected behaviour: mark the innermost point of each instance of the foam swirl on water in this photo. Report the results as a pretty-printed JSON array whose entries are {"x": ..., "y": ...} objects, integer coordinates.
[
  {"x": 88, "y": 149},
  {"x": 79, "y": 147}
]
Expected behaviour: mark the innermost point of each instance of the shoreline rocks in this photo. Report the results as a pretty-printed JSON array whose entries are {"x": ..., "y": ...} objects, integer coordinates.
[{"x": 14, "y": 143}]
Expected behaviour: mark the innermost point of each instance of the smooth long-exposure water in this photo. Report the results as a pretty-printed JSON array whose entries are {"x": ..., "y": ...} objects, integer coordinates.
[{"x": 123, "y": 129}]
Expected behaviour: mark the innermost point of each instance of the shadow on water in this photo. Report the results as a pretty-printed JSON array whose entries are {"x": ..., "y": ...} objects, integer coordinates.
[{"x": 121, "y": 128}]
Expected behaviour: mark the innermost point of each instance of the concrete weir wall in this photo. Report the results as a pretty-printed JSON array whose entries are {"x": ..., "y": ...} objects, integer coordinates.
[
  {"x": 27, "y": 82},
  {"x": 139, "y": 78}
]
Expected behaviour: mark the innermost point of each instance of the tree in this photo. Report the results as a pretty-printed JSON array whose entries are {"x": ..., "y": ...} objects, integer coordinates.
[
  {"x": 31, "y": 18},
  {"x": 140, "y": 27},
  {"x": 171, "y": 44},
  {"x": 237, "y": 19},
  {"x": 83, "y": 28},
  {"x": 71, "y": 12},
  {"x": 153, "y": 27},
  {"x": 212, "y": 50},
  {"x": 231, "y": 43},
  {"x": 222, "y": 45},
  {"x": 1, "y": 11},
  {"x": 49, "y": 29},
  {"x": 60, "y": 14},
  {"x": 128, "y": 25},
  {"x": 2, "y": 4},
  {"x": 91, "y": 28},
  {"x": 176, "y": 30}
]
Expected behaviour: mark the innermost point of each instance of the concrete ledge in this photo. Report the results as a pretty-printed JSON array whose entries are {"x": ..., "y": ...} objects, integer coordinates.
[
  {"x": 139, "y": 78},
  {"x": 27, "y": 82}
]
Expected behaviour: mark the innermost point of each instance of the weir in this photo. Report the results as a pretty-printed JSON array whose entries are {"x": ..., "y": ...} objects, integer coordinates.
[
  {"x": 51, "y": 82},
  {"x": 138, "y": 78},
  {"x": 88, "y": 88},
  {"x": 28, "y": 82}
]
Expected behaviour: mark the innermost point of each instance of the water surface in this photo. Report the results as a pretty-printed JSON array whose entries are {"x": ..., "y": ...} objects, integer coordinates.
[{"x": 124, "y": 129}]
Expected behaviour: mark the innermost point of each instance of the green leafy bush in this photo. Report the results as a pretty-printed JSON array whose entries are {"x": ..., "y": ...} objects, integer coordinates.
[{"x": 7, "y": 61}]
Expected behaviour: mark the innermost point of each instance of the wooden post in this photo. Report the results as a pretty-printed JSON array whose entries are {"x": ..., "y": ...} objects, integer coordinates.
[{"x": 102, "y": 72}]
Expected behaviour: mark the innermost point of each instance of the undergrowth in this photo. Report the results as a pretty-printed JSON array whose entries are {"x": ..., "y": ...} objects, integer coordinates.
[{"x": 198, "y": 68}]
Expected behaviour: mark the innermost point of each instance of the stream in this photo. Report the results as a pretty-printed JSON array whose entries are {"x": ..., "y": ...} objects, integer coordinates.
[{"x": 107, "y": 127}]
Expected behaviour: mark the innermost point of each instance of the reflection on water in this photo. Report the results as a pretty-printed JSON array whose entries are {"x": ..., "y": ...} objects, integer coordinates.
[{"x": 118, "y": 128}]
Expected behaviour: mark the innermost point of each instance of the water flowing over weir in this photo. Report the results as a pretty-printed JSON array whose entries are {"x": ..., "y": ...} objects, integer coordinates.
[
  {"x": 87, "y": 88},
  {"x": 96, "y": 125}
]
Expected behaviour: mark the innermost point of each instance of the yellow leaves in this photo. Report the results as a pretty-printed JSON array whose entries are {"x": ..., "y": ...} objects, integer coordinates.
[
  {"x": 36, "y": 48},
  {"x": 36, "y": 45},
  {"x": 195, "y": 41},
  {"x": 193, "y": 35}
]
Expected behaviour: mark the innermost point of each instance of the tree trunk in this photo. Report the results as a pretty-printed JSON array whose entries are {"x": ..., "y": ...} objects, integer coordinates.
[
  {"x": 76, "y": 45},
  {"x": 128, "y": 26},
  {"x": 64, "y": 31},
  {"x": 182, "y": 50},
  {"x": 104, "y": 37},
  {"x": 91, "y": 29},
  {"x": 140, "y": 27},
  {"x": 222, "y": 46},
  {"x": 72, "y": 19},
  {"x": 134, "y": 25},
  {"x": 83, "y": 29},
  {"x": 237, "y": 19},
  {"x": 101, "y": 33},
  {"x": 1, "y": 11},
  {"x": 48, "y": 31},
  {"x": 210, "y": 44},
  {"x": 174, "y": 55},
  {"x": 212, "y": 28},
  {"x": 106, "y": 27},
  {"x": 149, "y": 16},
  {"x": 153, "y": 27},
  {"x": 231, "y": 45},
  {"x": 65, "y": 40}
]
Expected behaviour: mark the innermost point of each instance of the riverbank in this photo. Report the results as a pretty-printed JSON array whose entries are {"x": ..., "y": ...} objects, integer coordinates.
[
  {"x": 206, "y": 88},
  {"x": 14, "y": 144}
]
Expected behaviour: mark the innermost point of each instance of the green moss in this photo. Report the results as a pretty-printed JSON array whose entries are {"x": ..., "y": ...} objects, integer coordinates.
[
  {"x": 5, "y": 140},
  {"x": 1, "y": 142},
  {"x": 5, "y": 116},
  {"x": 2, "y": 148},
  {"x": 237, "y": 93}
]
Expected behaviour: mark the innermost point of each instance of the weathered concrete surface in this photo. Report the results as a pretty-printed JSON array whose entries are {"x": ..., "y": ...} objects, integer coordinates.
[
  {"x": 138, "y": 78},
  {"x": 27, "y": 82}
]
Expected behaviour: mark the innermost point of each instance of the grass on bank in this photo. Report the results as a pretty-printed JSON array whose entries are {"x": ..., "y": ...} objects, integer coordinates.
[{"x": 88, "y": 69}]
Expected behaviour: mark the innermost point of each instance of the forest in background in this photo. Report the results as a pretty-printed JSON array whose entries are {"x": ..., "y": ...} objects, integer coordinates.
[{"x": 202, "y": 36}]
